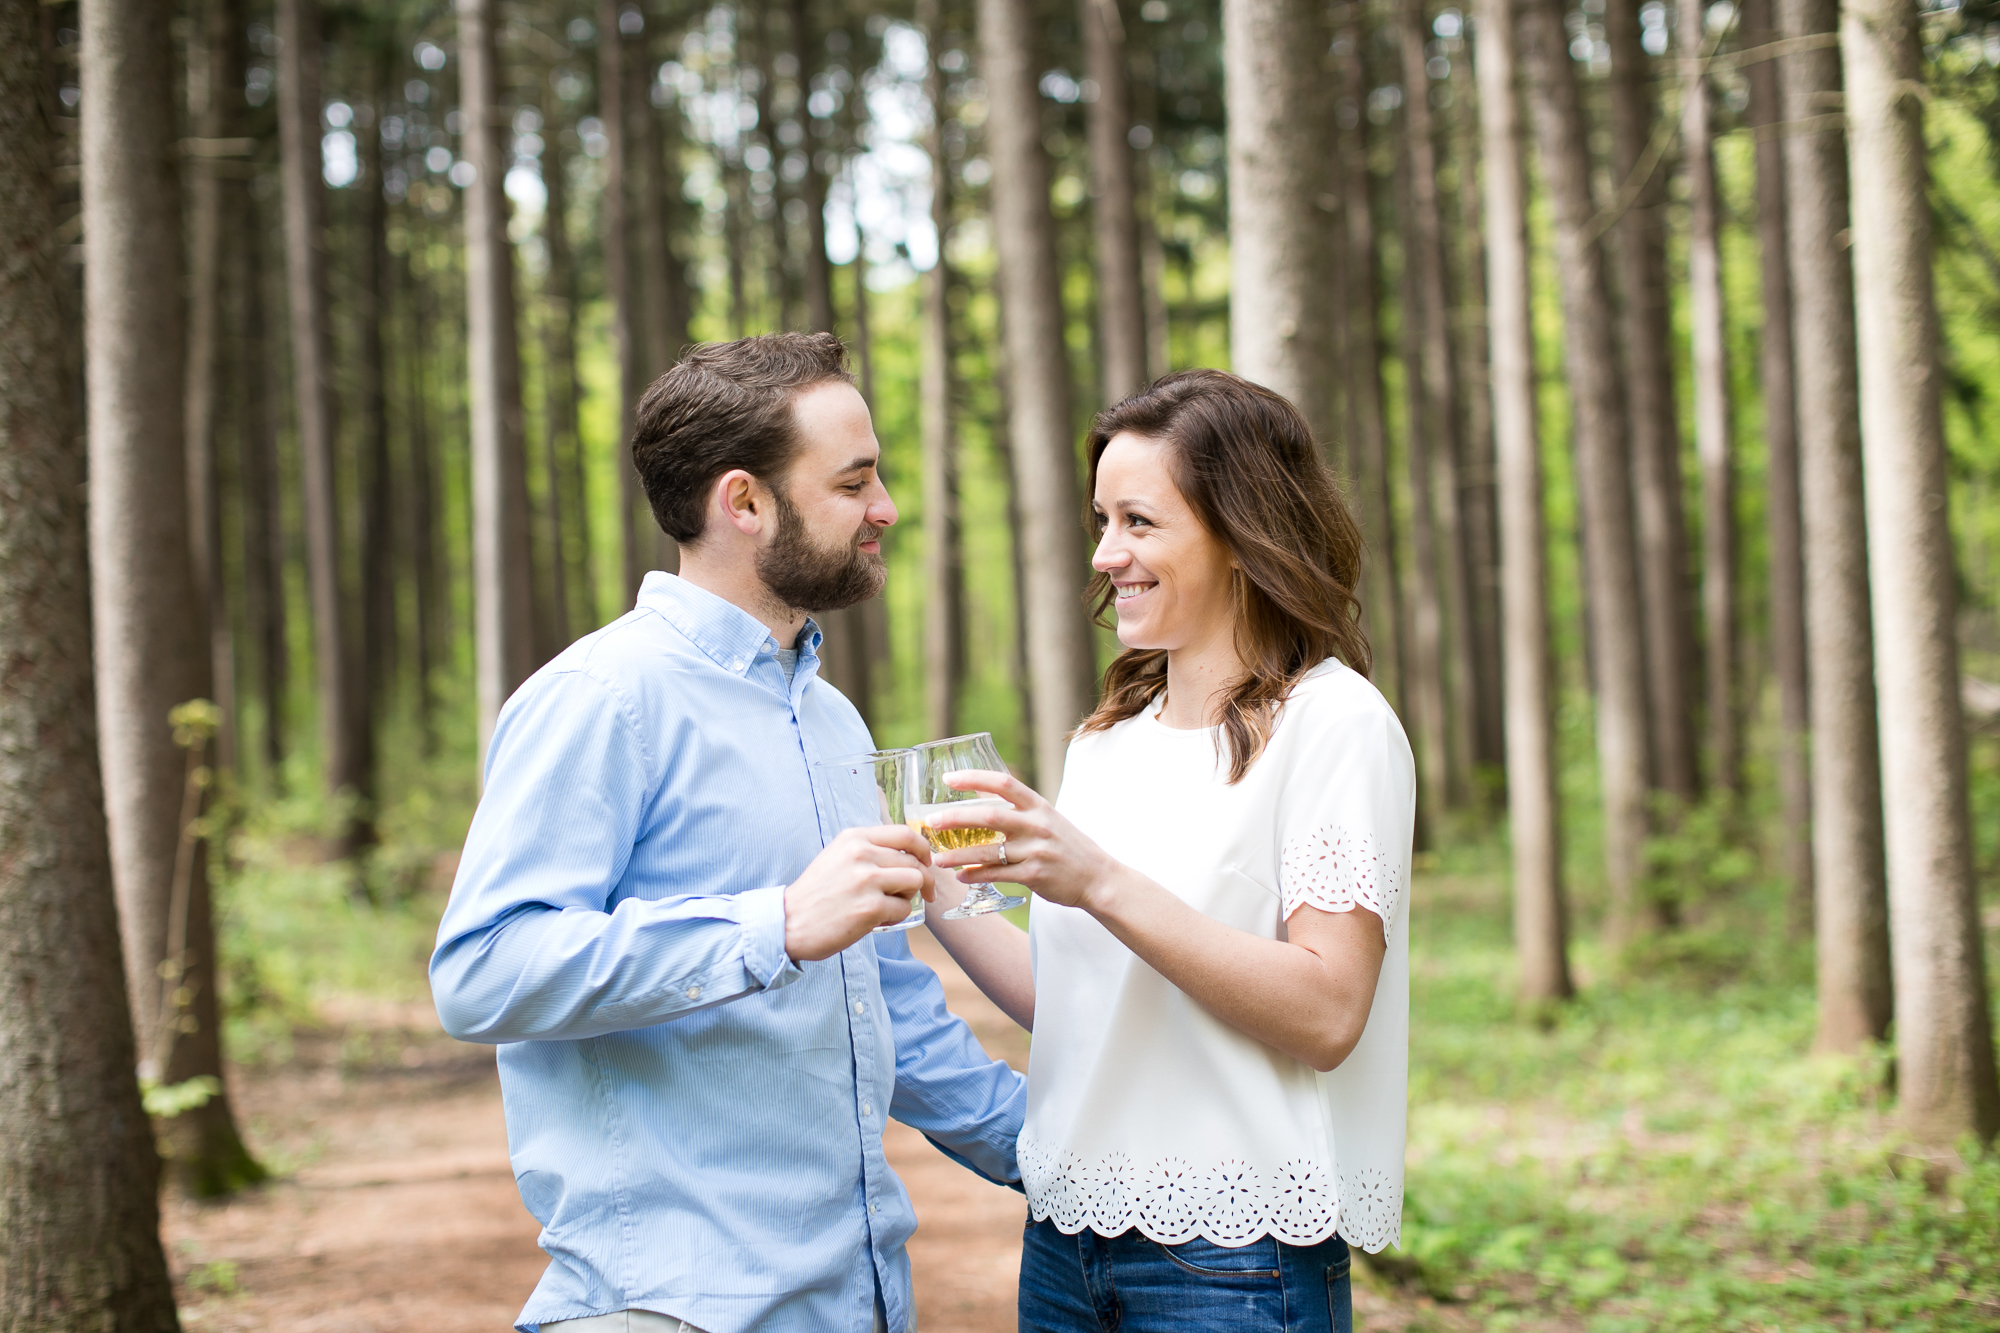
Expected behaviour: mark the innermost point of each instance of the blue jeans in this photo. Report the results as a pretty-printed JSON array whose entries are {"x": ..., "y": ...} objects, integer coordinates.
[{"x": 1128, "y": 1284}]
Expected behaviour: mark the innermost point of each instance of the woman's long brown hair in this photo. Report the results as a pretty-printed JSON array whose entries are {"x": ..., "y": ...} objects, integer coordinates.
[{"x": 1246, "y": 462}]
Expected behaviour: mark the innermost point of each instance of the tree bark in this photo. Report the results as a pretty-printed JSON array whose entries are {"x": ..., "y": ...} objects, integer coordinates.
[
  {"x": 569, "y": 498},
  {"x": 79, "y": 1217},
  {"x": 503, "y": 624},
  {"x": 1280, "y": 326},
  {"x": 627, "y": 331},
  {"x": 1785, "y": 555},
  {"x": 261, "y": 484},
  {"x": 378, "y": 549},
  {"x": 1604, "y": 489},
  {"x": 1945, "y": 1078},
  {"x": 1061, "y": 657},
  {"x": 663, "y": 323},
  {"x": 1541, "y": 931},
  {"x": 1435, "y": 415},
  {"x": 1361, "y": 375},
  {"x": 215, "y": 208},
  {"x": 150, "y": 621},
  {"x": 1121, "y": 308},
  {"x": 1713, "y": 445},
  {"x": 1638, "y": 239},
  {"x": 431, "y": 636},
  {"x": 944, "y": 572},
  {"x": 343, "y": 725},
  {"x": 1427, "y": 704},
  {"x": 1851, "y": 914}
]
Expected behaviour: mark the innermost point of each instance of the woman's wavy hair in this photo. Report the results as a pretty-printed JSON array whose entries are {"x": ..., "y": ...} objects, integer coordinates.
[{"x": 1246, "y": 462}]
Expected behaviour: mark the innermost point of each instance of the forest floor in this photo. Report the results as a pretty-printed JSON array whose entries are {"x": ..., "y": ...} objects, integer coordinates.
[{"x": 394, "y": 1209}]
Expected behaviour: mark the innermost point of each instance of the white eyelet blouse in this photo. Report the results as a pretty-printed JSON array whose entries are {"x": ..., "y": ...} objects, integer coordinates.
[{"x": 1144, "y": 1110}]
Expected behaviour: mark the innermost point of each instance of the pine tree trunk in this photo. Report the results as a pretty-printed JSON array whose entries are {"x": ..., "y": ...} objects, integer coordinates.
[
  {"x": 1603, "y": 476},
  {"x": 1541, "y": 932},
  {"x": 1435, "y": 409},
  {"x": 79, "y": 1218},
  {"x": 1638, "y": 241},
  {"x": 503, "y": 623},
  {"x": 944, "y": 574},
  {"x": 627, "y": 330},
  {"x": 262, "y": 488},
  {"x": 214, "y": 215},
  {"x": 150, "y": 622},
  {"x": 1280, "y": 326},
  {"x": 1121, "y": 309},
  {"x": 343, "y": 726},
  {"x": 1061, "y": 656},
  {"x": 1851, "y": 913},
  {"x": 378, "y": 593},
  {"x": 658, "y": 310},
  {"x": 1427, "y": 704},
  {"x": 1144, "y": 91},
  {"x": 1713, "y": 445},
  {"x": 422, "y": 517},
  {"x": 1945, "y": 1079},
  {"x": 569, "y": 506},
  {"x": 1361, "y": 375},
  {"x": 1781, "y": 472}
]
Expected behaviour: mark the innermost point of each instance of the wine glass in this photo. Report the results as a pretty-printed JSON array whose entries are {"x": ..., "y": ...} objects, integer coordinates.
[
  {"x": 868, "y": 791},
  {"x": 934, "y": 759}
]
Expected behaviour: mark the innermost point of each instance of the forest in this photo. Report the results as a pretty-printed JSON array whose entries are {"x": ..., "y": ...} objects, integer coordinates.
[{"x": 1657, "y": 346}]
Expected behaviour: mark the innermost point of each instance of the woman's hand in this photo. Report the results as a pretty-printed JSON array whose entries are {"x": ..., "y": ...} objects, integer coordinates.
[{"x": 1044, "y": 851}]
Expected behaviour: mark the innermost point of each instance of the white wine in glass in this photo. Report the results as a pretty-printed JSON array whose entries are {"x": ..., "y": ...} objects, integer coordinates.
[
  {"x": 931, "y": 797},
  {"x": 868, "y": 791}
]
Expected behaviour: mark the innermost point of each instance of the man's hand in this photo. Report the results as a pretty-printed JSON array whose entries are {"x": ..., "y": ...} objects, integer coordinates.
[{"x": 864, "y": 878}]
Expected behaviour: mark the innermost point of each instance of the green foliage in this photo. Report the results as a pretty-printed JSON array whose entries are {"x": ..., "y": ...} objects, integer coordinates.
[
  {"x": 1662, "y": 1153},
  {"x": 165, "y": 1101},
  {"x": 217, "y": 1275}
]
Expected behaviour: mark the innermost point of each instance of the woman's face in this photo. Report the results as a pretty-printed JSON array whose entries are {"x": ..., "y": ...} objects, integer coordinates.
[{"x": 1171, "y": 574}]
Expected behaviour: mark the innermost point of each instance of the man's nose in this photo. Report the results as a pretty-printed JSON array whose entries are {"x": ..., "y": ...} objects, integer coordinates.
[{"x": 882, "y": 513}]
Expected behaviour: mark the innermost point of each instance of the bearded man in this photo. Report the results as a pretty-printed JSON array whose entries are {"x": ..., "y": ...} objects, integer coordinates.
[{"x": 660, "y": 924}]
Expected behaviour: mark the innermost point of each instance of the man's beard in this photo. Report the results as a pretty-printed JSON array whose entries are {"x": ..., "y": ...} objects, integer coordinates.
[{"x": 809, "y": 577}]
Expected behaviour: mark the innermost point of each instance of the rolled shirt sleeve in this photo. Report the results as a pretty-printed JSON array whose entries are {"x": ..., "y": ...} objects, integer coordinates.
[{"x": 538, "y": 943}]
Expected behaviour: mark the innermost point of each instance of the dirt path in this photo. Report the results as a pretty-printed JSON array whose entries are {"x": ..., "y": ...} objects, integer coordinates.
[{"x": 395, "y": 1209}]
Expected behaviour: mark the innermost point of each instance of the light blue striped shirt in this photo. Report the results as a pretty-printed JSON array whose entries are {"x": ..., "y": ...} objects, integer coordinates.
[{"x": 695, "y": 1119}]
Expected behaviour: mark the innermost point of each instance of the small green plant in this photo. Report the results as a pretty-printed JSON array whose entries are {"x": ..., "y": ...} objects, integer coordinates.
[
  {"x": 165, "y": 1101},
  {"x": 217, "y": 1275}
]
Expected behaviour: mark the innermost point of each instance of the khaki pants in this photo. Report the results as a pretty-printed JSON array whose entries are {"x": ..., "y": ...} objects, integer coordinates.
[{"x": 645, "y": 1321}]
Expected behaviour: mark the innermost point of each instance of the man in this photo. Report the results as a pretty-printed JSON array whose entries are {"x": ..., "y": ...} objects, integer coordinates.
[{"x": 654, "y": 918}]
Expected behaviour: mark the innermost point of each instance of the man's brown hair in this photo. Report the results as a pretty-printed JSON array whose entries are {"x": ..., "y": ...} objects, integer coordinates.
[
  {"x": 725, "y": 406},
  {"x": 1246, "y": 462}
]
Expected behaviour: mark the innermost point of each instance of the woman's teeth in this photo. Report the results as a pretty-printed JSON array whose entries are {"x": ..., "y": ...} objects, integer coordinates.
[{"x": 1127, "y": 591}]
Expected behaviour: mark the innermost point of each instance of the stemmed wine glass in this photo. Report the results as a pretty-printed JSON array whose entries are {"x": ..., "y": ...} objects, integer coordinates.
[
  {"x": 932, "y": 796},
  {"x": 869, "y": 790}
]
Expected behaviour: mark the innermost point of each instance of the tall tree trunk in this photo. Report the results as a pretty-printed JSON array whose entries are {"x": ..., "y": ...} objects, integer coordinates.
[
  {"x": 214, "y": 89},
  {"x": 1427, "y": 702},
  {"x": 1638, "y": 239},
  {"x": 1945, "y": 1077},
  {"x": 1121, "y": 310},
  {"x": 343, "y": 725},
  {"x": 1435, "y": 409},
  {"x": 1604, "y": 483},
  {"x": 431, "y": 637},
  {"x": 1541, "y": 929},
  {"x": 260, "y": 483},
  {"x": 1280, "y": 327},
  {"x": 1020, "y": 668},
  {"x": 627, "y": 330},
  {"x": 1851, "y": 912},
  {"x": 1061, "y": 656},
  {"x": 1144, "y": 92},
  {"x": 79, "y": 1217},
  {"x": 1781, "y": 471},
  {"x": 503, "y": 625},
  {"x": 151, "y": 635},
  {"x": 569, "y": 499},
  {"x": 378, "y": 549},
  {"x": 1361, "y": 376},
  {"x": 735, "y": 224},
  {"x": 1713, "y": 445},
  {"x": 944, "y": 574},
  {"x": 663, "y": 317}
]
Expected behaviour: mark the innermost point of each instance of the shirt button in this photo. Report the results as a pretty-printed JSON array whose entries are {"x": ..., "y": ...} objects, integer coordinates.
[
  {"x": 858, "y": 1006},
  {"x": 694, "y": 992},
  {"x": 871, "y": 1208},
  {"x": 866, "y": 1109}
]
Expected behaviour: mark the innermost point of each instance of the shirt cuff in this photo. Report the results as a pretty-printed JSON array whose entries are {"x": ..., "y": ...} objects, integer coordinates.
[{"x": 761, "y": 913}]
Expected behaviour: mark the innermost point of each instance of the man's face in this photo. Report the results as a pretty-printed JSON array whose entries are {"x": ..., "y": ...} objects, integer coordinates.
[{"x": 831, "y": 507}]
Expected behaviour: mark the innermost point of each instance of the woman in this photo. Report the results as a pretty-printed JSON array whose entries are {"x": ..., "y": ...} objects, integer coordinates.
[{"x": 1217, "y": 972}]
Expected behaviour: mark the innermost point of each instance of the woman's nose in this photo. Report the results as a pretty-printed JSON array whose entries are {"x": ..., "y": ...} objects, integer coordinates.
[{"x": 1108, "y": 556}]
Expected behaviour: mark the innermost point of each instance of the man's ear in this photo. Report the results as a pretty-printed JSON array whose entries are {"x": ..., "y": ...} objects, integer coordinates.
[{"x": 742, "y": 501}]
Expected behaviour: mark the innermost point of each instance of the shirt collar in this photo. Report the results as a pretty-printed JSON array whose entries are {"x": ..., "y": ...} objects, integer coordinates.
[{"x": 731, "y": 637}]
